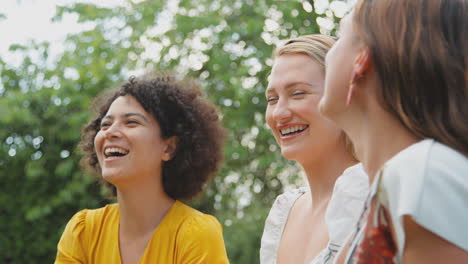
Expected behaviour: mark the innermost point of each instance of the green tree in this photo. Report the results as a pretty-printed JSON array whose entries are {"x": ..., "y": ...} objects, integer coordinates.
[{"x": 43, "y": 104}]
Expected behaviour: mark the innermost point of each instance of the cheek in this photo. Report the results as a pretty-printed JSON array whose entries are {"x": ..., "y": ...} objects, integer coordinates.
[
  {"x": 314, "y": 100},
  {"x": 310, "y": 106},
  {"x": 98, "y": 141},
  {"x": 324, "y": 127},
  {"x": 335, "y": 79},
  {"x": 268, "y": 116},
  {"x": 334, "y": 60},
  {"x": 312, "y": 110},
  {"x": 271, "y": 122},
  {"x": 340, "y": 65},
  {"x": 151, "y": 144}
]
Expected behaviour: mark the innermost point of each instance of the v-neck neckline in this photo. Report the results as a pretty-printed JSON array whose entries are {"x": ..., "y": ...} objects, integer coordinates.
[{"x": 116, "y": 233}]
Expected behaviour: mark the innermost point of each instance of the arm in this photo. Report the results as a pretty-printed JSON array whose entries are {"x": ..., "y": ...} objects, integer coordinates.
[{"x": 423, "y": 246}]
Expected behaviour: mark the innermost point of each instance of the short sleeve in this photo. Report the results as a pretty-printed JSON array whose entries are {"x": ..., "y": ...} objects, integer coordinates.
[
  {"x": 443, "y": 205},
  {"x": 430, "y": 184},
  {"x": 347, "y": 203},
  {"x": 70, "y": 247},
  {"x": 201, "y": 241}
]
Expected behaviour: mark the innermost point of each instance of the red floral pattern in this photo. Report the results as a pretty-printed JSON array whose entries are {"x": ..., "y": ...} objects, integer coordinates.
[{"x": 375, "y": 245}]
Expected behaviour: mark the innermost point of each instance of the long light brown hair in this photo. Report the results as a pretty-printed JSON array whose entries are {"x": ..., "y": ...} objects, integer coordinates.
[{"x": 420, "y": 52}]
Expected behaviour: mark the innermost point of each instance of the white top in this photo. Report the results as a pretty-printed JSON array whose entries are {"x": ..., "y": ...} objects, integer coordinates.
[
  {"x": 429, "y": 182},
  {"x": 345, "y": 206}
]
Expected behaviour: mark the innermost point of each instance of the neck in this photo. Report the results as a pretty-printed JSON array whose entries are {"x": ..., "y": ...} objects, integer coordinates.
[
  {"x": 322, "y": 174},
  {"x": 142, "y": 208},
  {"x": 378, "y": 138}
]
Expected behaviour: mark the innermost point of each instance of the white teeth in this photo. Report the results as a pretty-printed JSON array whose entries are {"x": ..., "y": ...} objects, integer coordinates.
[
  {"x": 111, "y": 151},
  {"x": 292, "y": 129}
]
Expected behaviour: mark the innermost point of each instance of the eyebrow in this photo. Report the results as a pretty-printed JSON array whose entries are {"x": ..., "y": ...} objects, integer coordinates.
[
  {"x": 127, "y": 115},
  {"x": 291, "y": 85}
]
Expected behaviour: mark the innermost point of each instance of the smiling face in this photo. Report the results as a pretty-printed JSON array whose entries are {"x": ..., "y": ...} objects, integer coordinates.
[
  {"x": 129, "y": 145},
  {"x": 294, "y": 90}
]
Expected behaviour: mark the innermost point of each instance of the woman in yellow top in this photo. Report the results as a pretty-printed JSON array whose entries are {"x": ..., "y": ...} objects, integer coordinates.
[{"x": 154, "y": 141}]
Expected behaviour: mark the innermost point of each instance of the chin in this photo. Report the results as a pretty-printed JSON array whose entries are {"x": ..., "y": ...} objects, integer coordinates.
[
  {"x": 322, "y": 106},
  {"x": 327, "y": 110},
  {"x": 112, "y": 176},
  {"x": 293, "y": 154}
]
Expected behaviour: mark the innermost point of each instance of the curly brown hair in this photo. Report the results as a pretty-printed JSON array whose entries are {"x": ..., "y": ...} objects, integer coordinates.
[{"x": 180, "y": 110}]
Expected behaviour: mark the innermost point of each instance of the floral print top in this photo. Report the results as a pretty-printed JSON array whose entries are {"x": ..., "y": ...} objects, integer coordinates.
[{"x": 427, "y": 181}]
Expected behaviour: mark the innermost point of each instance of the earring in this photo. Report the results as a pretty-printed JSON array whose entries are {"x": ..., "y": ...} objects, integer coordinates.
[
  {"x": 352, "y": 82},
  {"x": 361, "y": 66}
]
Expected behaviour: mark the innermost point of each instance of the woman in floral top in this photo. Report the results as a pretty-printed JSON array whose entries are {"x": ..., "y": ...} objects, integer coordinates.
[{"x": 397, "y": 84}]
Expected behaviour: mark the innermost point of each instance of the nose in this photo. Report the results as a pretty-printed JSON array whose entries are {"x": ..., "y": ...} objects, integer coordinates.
[
  {"x": 282, "y": 112},
  {"x": 113, "y": 131}
]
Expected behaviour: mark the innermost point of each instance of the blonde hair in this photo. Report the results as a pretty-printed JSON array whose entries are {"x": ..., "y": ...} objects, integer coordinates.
[{"x": 315, "y": 46}]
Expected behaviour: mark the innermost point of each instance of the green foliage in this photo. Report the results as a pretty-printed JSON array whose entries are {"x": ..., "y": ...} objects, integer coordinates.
[{"x": 43, "y": 105}]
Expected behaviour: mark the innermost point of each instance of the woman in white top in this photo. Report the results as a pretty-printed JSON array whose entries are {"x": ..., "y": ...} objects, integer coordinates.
[
  {"x": 397, "y": 83},
  {"x": 309, "y": 225}
]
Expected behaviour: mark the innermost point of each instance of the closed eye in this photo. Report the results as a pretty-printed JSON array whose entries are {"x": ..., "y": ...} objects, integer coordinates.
[
  {"x": 105, "y": 125},
  {"x": 298, "y": 93},
  {"x": 132, "y": 122},
  {"x": 272, "y": 99}
]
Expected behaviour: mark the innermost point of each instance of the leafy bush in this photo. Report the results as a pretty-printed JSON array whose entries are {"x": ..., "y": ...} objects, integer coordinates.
[{"x": 43, "y": 105}]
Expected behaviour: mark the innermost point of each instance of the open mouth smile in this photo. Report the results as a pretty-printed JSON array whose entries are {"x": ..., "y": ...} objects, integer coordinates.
[
  {"x": 115, "y": 152},
  {"x": 294, "y": 130}
]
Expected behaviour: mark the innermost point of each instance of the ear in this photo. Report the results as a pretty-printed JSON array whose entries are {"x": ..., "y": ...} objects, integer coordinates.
[
  {"x": 170, "y": 148},
  {"x": 361, "y": 67},
  {"x": 363, "y": 63}
]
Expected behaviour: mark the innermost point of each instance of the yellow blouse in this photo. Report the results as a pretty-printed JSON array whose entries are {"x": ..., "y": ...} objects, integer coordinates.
[{"x": 185, "y": 235}]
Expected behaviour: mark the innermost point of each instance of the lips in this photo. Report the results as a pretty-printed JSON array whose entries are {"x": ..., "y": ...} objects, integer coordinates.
[
  {"x": 114, "y": 151},
  {"x": 291, "y": 130}
]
